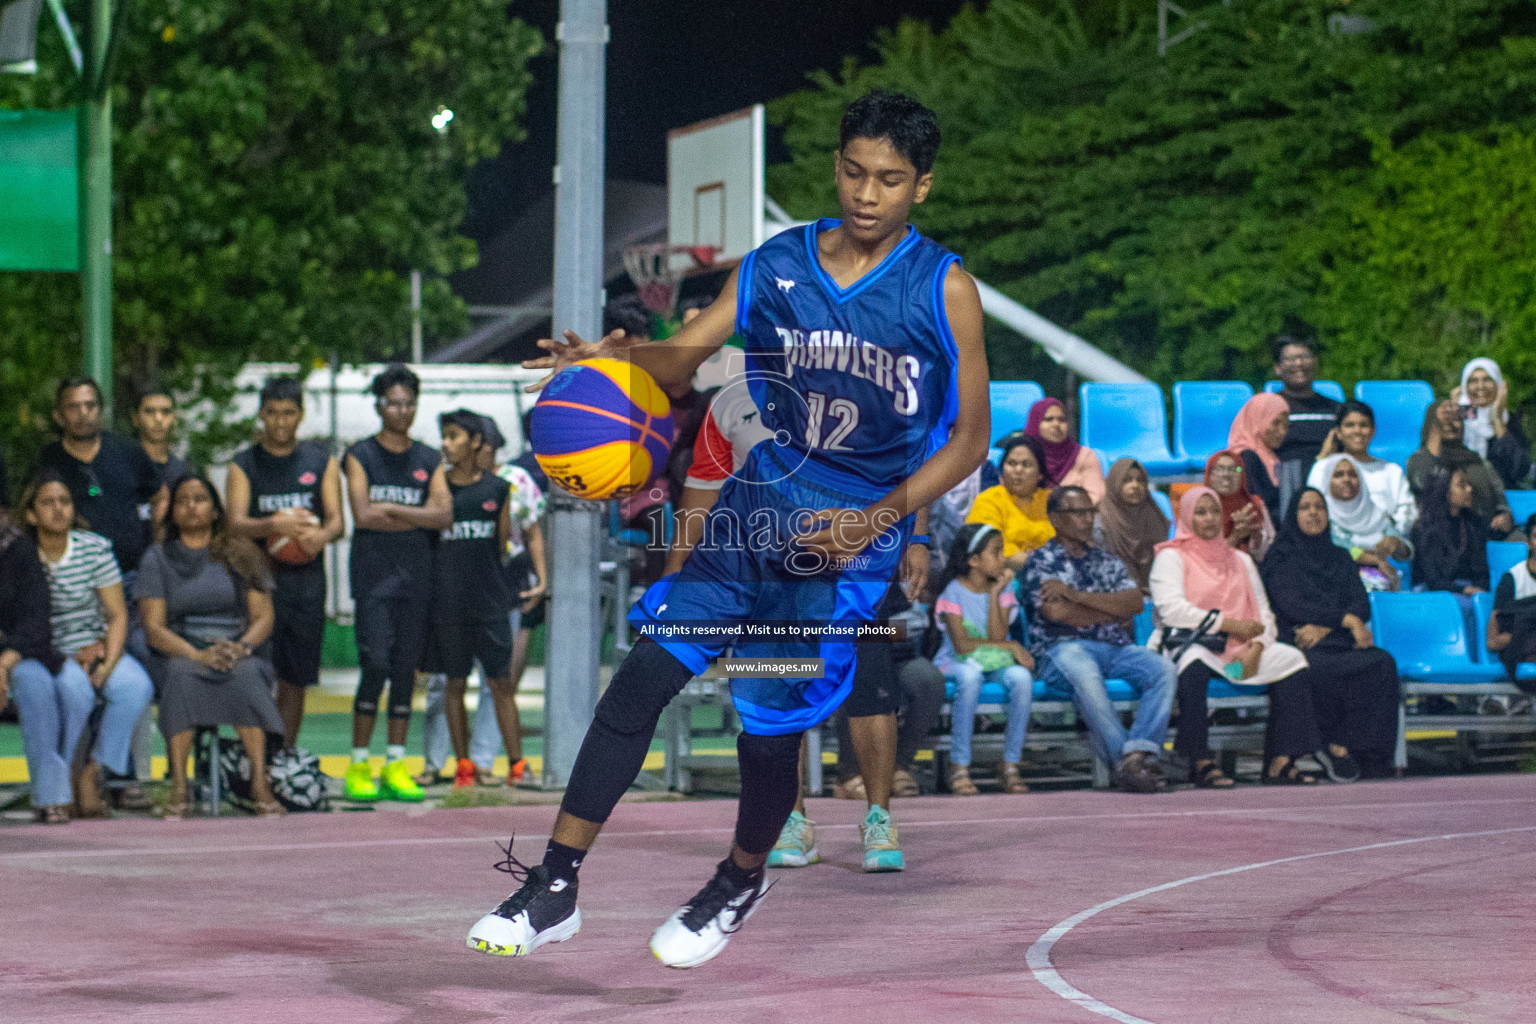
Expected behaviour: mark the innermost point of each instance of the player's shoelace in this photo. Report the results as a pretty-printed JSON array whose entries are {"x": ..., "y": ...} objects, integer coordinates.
[
  {"x": 710, "y": 901},
  {"x": 878, "y": 833},
  {"x": 531, "y": 881}
]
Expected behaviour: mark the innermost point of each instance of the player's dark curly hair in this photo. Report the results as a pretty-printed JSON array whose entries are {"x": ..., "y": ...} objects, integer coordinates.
[
  {"x": 393, "y": 374},
  {"x": 911, "y": 127}
]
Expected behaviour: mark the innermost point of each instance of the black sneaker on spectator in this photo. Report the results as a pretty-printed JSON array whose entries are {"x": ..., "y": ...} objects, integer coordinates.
[
  {"x": 542, "y": 911},
  {"x": 1136, "y": 773},
  {"x": 702, "y": 927},
  {"x": 1340, "y": 767}
]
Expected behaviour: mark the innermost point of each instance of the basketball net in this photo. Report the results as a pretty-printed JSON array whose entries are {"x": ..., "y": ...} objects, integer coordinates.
[{"x": 658, "y": 277}]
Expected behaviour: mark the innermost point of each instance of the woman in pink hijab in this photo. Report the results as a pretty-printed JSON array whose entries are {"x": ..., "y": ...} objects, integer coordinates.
[
  {"x": 1197, "y": 573},
  {"x": 1067, "y": 463},
  {"x": 1256, "y": 433}
]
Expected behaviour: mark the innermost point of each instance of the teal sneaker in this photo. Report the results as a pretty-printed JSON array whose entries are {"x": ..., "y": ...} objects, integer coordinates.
[
  {"x": 881, "y": 853},
  {"x": 796, "y": 847}
]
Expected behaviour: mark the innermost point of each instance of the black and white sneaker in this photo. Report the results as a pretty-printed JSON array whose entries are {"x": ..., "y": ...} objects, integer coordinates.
[
  {"x": 542, "y": 911},
  {"x": 1340, "y": 767},
  {"x": 699, "y": 931}
]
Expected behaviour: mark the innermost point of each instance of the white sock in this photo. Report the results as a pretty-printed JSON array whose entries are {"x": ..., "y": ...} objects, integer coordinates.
[
  {"x": 394, "y": 752},
  {"x": 359, "y": 755}
]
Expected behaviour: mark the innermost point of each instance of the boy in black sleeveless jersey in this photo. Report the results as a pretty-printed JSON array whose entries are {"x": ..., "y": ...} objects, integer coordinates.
[
  {"x": 471, "y": 602},
  {"x": 286, "y": 493},
  {"x": 399, "y": 498}
]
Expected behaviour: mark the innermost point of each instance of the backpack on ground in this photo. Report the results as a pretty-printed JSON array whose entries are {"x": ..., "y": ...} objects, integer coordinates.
[{"x": 297, "y": 782}]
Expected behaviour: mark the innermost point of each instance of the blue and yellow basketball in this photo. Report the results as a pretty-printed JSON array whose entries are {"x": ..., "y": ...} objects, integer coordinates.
[{"x": 602, "y": 429}]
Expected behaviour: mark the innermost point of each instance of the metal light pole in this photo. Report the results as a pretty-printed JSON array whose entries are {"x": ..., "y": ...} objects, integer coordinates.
[
  {"x": 95, "y": 164},
  {"x": 572, "y": 652}
]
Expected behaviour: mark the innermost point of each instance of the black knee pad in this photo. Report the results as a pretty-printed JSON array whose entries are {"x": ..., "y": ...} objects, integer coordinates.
[
  {"x": 369, "y": 688},
  {"x": 400, "y": 695},
  {"x": 770, "y": 781},
  {"x": 642, "y": 688}
]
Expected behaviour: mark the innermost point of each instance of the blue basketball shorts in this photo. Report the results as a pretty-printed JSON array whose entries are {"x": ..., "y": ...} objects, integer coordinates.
[{"x": 746, "y": 572}]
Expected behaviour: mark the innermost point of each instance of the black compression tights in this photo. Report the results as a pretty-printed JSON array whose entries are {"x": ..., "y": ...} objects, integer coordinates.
[{"x": 614, "y": 750}]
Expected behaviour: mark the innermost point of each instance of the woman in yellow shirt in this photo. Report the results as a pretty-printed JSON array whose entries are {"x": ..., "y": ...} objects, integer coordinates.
[{"x": 1017, "y": 505}]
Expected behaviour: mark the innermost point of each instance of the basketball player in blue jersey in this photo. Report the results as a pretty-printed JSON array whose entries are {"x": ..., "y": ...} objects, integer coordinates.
[{"x": 863, "y": 343}]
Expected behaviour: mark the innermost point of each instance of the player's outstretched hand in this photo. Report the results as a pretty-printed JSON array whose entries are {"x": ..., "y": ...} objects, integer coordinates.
[{"x": 573, "y": 350}]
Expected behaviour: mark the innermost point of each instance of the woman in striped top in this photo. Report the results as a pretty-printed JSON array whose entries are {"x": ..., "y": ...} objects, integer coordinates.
[{"x": 90, "y": 626}]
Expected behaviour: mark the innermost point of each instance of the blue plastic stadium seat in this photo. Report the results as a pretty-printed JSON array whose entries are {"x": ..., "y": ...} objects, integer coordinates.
[
  {"x": 1482, "y": 609},
  {"x": 1226, "y": 688},
  {"x": 1143, "y": 625},
  {"x": 1332, "y": 388},
  {"x": 1011, "y": 401},
  {"x": 1525, "y": 671},
  {"x": 1426, "y": 634},
  {"x": 995, "y": 456},
  {"x": 1503, "y": 555},
  {"x": 1522, "y": 504},
  {"x": 1399, "y": 406},
  {"x": 1128, "y": 420},
  {"x": 1167, "y": 507},
  {"x": 1203, "y": 411}
]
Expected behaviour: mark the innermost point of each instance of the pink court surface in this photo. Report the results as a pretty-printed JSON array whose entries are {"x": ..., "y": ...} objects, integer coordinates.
[{"x": 1406, "y": 901}]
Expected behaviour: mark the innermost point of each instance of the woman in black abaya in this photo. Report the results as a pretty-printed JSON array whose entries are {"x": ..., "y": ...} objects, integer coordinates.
[{"x": 1321, "y": 606}]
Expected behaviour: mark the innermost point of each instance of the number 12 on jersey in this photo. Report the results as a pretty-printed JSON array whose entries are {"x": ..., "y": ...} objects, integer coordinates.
[{"x": 840, "y": 409}]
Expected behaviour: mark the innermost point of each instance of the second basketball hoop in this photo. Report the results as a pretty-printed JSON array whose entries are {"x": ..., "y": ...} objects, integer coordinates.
[{"x": 658, "y": 271}]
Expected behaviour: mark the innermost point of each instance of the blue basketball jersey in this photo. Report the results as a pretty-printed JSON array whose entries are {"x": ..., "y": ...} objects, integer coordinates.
[{"x": 859, "y": 382}]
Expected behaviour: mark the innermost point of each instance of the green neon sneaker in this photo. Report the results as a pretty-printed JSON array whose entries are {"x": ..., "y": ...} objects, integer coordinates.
[
  {"x": 881, "y": 853},
  {"x": 358, "y": 783},
  {"x": 797, "y": 843},
  {"x": 396, "y": 784}
]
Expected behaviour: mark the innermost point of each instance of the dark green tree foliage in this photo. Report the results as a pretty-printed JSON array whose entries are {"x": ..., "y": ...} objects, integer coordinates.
[
  {"x": 1266, "y": 173},
  {"x": 276, "y": 178}
]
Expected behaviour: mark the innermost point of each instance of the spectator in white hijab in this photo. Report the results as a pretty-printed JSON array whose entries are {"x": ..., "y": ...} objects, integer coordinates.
[
  {"x": 1385, "y": 481},
  {"x": 1490, "y": 430},
  {"x": 1360, "y": 526}
]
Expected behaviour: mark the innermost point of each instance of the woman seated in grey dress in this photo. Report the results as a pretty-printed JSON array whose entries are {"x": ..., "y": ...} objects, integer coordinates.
[{"x": 206, "y": 602}]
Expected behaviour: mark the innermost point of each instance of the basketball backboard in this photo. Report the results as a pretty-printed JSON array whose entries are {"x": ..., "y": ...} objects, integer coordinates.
[{"x": 715, "y": 185}]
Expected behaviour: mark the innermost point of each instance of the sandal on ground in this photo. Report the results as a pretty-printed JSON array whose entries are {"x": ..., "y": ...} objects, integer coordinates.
[
  {"x": 1208, "y": 775},
  {"x": 173, "y": 810},
  {"x": 960, "y": 783},
  {"x": 1008, "y": 778},
  {"x": 269, "y": 809},
  {"x": 427, "y": 777},
  {"x": 1290, "y": 775},
  {"x": 131, "y": 798},
  {"x": 52, "y": 814},
  {"x": 853, "y": 789},
  {"x": 89, "y": 800},
  {"x": 903, "y": 784}
]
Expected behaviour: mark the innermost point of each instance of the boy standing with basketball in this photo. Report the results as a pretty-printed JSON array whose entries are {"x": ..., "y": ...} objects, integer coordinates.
[
  {"x": 287, "y": 494},
  {"x": 471, "y": 602},
  {"x": 864, "y": 348},
  {"x": 399, "y": 496}
]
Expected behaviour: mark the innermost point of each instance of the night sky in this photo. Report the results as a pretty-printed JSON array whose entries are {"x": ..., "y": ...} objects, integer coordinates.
[{"x": 673, "y": 62}]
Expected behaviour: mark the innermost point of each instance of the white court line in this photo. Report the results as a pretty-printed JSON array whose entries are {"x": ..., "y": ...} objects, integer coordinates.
[
  {"x": 1039, "y": 956},
  {"x": 349, "y": 844}
]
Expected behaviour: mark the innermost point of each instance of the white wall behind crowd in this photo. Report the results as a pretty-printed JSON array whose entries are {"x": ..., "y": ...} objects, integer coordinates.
[{"x": 491, "y": 390}]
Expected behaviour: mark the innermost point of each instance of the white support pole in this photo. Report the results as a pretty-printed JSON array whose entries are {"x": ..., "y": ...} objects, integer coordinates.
[
  {"x": 572, "y": 650},
  {"x": 415, "y": 316}
]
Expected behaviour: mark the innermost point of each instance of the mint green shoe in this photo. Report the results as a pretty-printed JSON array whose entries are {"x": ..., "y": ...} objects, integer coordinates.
[
  {"x": 796, "y": 847},
  {"x": 881, "y": 853}
]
